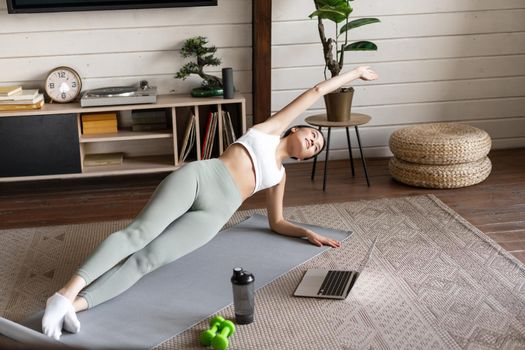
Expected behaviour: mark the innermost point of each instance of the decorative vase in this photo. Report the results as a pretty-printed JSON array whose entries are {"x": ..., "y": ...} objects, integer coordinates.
[
  {"x": 206, "y": 92},
  {"x": 339, "y": 105}
]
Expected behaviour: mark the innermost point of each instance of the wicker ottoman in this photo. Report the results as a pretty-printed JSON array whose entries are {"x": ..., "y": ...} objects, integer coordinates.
[{"x": 440, "y": 155}]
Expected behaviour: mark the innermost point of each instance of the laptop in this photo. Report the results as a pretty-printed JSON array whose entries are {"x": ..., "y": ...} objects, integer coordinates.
[{"x": 330, "y": 284}]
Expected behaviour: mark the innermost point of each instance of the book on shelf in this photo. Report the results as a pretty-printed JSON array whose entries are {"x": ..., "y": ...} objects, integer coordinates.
[
  {"x": 99, "y": 123},
  {"x": 10, "y": 90},
  {"x": 210, "y": 137},
  {"x": 149, "y": 120},
  {"x": 99, "y": 130},
  {"x": 205, "y": 151},
  {"x": 21, "y": 107},
  {"x": 93, "y": 117},
  {"x": 206, "y": 134},
  {"x": 22, "y": 95},
  {"x": 227, "y": 129},
  {"x": 100, "y": 159},
  {"x": 149, "y": 127},
  {"x": 38, "y": 98},
  {"x": 188, "y": 139},
  {"x": 149, "y": 117}
]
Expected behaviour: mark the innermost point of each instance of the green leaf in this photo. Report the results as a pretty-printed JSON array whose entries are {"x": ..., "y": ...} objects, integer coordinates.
[
  {"x": 335, "y": 14},
  {"x": 358, "y": 23},
  {"x": 361, "y": 46},
  {"x": 332, "y": 3}
]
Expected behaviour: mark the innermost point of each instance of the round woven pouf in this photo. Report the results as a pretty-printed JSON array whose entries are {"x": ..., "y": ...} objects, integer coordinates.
[
  {"x": 440, "y": 143},
  {"x": 440, "y": 176}
]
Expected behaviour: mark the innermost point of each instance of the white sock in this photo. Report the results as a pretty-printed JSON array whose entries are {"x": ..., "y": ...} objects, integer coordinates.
[{"x": 59, "y": 313}]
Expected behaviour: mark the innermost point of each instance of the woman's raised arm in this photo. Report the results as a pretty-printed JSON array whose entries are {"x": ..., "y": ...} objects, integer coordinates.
[{"x": 278, "y": 123}]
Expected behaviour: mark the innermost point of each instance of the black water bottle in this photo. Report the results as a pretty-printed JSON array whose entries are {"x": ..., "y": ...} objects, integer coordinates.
[{"x": 243, "y": 295}]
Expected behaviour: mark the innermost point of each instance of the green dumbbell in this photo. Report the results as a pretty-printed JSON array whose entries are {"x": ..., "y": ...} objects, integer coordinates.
[
  {"x": 209, "y": 334},
  {"x": 220, "y": 341}
]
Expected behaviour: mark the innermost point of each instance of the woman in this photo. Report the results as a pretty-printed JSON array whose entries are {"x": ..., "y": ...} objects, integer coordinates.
[{"x": 198, "y": 199}]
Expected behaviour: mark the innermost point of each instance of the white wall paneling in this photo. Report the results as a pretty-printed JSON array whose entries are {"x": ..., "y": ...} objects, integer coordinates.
[
  {"x": 227, "y": 12},
  {"x": 288, "y": 10},
  {"x": 120, "y": 47},
  {"x": 438, "y": 60}
]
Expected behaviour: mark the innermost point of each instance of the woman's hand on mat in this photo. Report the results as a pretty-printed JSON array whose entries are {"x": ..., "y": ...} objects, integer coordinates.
[
  {"x": 320, "y": 240},
  {"x": 365, "y": 73}
]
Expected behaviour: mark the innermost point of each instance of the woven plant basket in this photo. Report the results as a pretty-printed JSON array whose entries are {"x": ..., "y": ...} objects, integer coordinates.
[
  {"x": 440, "y": 176},
  {"x": 440, "y": 143}
]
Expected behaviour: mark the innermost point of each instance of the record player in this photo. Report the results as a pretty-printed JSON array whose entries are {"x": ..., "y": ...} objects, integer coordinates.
[{"x": 120, "y": 95}]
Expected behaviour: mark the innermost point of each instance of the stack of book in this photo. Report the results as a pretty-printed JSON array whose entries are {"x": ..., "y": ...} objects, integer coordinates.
[
  {"x": 99, "y": 123},
  {"x": 209, "y": 136},
  {"x": 103, "y": 159},
  {"x": 14, "y": 98},
  {"x": 228, "y": 134},
  {"x": 149, "y": 120}
]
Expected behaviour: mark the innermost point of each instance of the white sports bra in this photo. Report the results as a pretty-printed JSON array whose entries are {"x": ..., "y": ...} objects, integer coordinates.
[{"x": 262, "y": 147}]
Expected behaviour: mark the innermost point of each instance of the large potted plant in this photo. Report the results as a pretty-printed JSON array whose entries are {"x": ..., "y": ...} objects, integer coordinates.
[{"x": 338, "y": 103}]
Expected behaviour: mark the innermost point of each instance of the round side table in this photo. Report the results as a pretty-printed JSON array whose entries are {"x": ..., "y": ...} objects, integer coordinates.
[{"x": 356, "y": 119}]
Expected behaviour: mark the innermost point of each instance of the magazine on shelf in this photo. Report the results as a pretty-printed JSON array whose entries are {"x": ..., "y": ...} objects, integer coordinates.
[
  {"x": 188, "y": 139},
  {"x": 210, "y": 140},
  {"x": 206, "y": 133}
]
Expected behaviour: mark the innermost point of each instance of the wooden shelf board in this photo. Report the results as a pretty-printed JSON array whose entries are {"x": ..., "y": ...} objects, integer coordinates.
[
  {"x": 124, "y": 135},
  {"x": 163, "y": 101}
]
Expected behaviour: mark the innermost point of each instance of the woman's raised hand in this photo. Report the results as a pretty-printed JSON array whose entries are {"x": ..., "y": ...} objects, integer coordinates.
[{"x": 365, "y": 73}]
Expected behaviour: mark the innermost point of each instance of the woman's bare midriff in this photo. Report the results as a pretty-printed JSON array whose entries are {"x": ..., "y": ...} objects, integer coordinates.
[{"x": 238, "y": 161}]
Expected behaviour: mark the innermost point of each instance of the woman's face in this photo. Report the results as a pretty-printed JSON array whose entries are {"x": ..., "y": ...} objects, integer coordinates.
[{"x": 306, "y": 142}]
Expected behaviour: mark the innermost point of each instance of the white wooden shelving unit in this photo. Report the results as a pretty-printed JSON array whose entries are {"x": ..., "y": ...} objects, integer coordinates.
[{"x": 144, "y": 152}]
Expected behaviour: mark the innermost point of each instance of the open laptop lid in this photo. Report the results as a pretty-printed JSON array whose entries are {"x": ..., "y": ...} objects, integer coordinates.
[{"x": 331, "y": 284}]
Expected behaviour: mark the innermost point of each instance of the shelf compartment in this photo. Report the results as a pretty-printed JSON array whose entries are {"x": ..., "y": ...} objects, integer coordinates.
[{"x": 125, "y": 135}]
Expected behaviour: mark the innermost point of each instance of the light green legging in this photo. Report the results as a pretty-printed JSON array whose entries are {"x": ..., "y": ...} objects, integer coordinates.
[{"x": 198, "y": 199}]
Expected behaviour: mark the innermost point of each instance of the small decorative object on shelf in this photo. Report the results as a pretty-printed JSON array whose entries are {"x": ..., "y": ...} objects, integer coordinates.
[
  {"x": 63, "y": 84},
  {"x": 211, "y": 85},
  {"x": 227, "y": 81},
  {"x": 138, "y": 93}
]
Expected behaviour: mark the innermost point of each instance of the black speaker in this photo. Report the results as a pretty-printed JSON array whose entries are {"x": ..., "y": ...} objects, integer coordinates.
[{"x": 227, "y": 82}]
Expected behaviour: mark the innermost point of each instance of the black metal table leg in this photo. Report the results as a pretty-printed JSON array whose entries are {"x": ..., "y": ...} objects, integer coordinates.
[
  {"x": 350, "y": 151},
  {"x": 326, "y": 160},
  {"x": 315, "y": 163},
  {"x": 362, "y": 157}
]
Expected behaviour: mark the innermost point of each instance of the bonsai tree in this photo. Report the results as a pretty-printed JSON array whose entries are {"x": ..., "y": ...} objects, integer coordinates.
[
  {"x": 338, "y": 11},
  {"x": 195, "y": 47}
]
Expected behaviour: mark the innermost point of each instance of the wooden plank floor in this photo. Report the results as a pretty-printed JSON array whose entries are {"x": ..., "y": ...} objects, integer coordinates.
[{"x": 496, "y": 206}]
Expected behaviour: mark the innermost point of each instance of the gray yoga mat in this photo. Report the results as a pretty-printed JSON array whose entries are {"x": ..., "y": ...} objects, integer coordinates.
[{"x": 175, "y": 297}]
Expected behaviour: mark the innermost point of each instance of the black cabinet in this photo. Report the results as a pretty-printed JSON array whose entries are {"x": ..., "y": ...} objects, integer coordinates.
[{"x": 39, "y": 145}]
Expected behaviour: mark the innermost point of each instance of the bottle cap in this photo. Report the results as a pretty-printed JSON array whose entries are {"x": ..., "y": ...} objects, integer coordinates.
[{"x": 241, "y": 276}]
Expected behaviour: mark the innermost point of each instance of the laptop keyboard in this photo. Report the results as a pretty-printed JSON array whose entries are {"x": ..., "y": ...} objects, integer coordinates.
[{"x": 334, "y": 283}]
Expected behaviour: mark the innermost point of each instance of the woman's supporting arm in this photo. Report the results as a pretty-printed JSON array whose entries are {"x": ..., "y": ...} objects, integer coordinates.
[
  {"x": 274, "y": 205},
  {"x": 278, "y": 123}
]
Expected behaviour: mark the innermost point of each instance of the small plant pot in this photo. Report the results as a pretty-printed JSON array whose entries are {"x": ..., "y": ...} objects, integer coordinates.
[
  {"x": 206, "y": 92},
  {"x": 339, "y": 105}
]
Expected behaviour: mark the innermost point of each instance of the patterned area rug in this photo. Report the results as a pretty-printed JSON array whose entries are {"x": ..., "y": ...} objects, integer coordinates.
[{"x": 433, "y": 281}]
